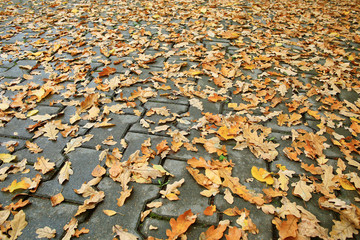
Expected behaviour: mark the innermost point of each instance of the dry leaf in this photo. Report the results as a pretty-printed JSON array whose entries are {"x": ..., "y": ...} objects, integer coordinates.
[
  {"x": 44, "y": 165},
  {"x": 109, "y": 212},
  {"x": 6, "y": 158},
  {"x": 180, "y": 225},
  {"x": 33, "y": 147},
  {"x": 70, "y": 229},
  {"x": 57, "y": 199},
  {"x": 17, "y": 225},
  {"x": 65, "y": 172},
  {"x": 16, "y": 185},
  {"x": 45, "y": 232},
  {"x": 123, "y": 234}
]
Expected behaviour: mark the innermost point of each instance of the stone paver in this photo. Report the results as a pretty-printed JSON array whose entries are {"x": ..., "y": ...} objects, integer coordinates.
[{"x": 136, "y": 92}]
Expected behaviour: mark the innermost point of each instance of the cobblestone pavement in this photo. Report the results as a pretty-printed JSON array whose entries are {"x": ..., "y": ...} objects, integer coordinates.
[{"x": 124, "y": 114}]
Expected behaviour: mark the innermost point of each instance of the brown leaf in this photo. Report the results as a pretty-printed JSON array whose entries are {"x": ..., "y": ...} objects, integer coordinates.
[
  {"x": 70, "y": 229},
  {"x": 107, "y": 71},
  {"x": 81, "y": 231},
  {"x": 33, "y": 147},
  {"x": 44, "y": 165},
  {"x": 98, "y": 171},
  {"x": 50, "y": 131},
  {"x": 234, "y": 233},
  {"x": 91, "y": 202},
  {"x": 45, "y": 232},
  {"x": 123, "y": 234},
  {"x": 287, "y": 228},
  {"x": 57, "y": 199},
  {"x": 65, "y": 172},
  {"x": 17, "y": 225}
]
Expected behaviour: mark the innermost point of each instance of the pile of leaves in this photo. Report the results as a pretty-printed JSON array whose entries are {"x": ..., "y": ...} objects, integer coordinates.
[{"x": 288, "y": 67}]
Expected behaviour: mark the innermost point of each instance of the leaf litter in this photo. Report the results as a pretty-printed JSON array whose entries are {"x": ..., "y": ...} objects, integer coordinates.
[{"x": 270, "y": 69}]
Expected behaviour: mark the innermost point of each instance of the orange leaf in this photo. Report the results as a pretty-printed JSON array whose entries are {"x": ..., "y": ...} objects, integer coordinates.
[
  {"x": 230, "y": 34},
  {"x": 213, "y": 233},
  {"x": 161, "y": 147},
  {"x": 98, "y": 171},
  {"x": 107, "y": 71},
  {"x": 56, "y": 199},
  {"x": 288, "y": 228},
  {"x": 209, "y": 211},
  {"x": 216, "y": 98},
  {"x": 234, "y": 233},
  {"x": 180, "y": 225}
]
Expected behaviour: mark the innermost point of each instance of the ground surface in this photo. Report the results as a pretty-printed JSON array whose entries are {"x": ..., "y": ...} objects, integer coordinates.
[{"x": 125, "y": 114}]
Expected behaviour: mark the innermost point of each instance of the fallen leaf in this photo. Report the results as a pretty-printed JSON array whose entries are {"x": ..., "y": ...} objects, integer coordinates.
[
  {"x": 65, "y": 172},
  {"x": 262, "y": 175},
  {"x": 17, "y": 225},
  {"x": 109, "y": 212},
  {"x": 16, "y": 185},
  {"x": 287, "y": 228},
  {"x": 45, "y": 232},
  {"x": 209, "y": 211},
  {"x": 33, "y": 147},
  {"x": 6, "y": 158},
  {"x": 44, "y": 165},
  {"x": 70, "y": 229},
  {"x": 123, "y": 234},
  {"x": 180, "y": 225},
  {"x": 57, "y": 199}
]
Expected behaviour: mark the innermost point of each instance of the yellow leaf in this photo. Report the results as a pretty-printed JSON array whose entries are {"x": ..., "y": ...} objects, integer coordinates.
[
  {"x": 74, "y": 10},
  {"x": 6, "y": 158},
  {"x": 203, "y": 10},
  {"x": 262, "y": 175},
  {"x": 16, "y": 185},
  {"x": 156, "y": 16},
  {"x": 109, "y": 212},
  {"x": 32, "y": 113},
  {"x": 346, "y": 184}
]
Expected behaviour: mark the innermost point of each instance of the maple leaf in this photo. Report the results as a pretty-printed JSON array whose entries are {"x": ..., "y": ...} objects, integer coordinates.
[
  {"x": 180, "y": 225},
  {"x": 45, "y": 232},
  {"x": 65, "y": 172},
  {"x": 16, "y": 185},
  {"x": 107, "y": 71},
  {"x": 17, "y": 225},
  {"x": 44, "y": 165}
]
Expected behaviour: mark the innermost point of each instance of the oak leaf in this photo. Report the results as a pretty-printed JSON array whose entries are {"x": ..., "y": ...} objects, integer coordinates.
[
  {"x": 70, "y": 229},
  {"x": 107, "y": 71},
  {"x": 287, "y": 228},
  {"x": 33, "y": 147},
  {"x": 16, "y": 185},
  {"x": 234, "y": 233},
  {"x": 44, "y": 165},
  {"x": 50, "y": 131},
  {"x": 6, "y": 158},
  {"x": 303, "y": 190},
  {"x": 171, "y": 190},
  {"x": 213, "y": 233},
  {"x": 209, "y": 211},
  {"x": 45, "y": 232},
  {"x": 180, "y": 225},
  {"x": 123, "y": 234},
  {"x": 65, "y": 172},
  {"x": 17, "y": 225}
]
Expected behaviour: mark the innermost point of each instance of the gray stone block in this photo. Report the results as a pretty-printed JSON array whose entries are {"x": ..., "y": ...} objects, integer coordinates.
[{"x": 128, "y": 215}]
